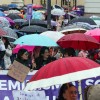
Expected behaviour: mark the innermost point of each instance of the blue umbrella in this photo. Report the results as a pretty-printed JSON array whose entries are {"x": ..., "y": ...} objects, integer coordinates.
[
  {"x": 37, "y": 15},
  {"x": 12, "y": 6},
  {"x": 36, "y": 40},
  {"x": 2, "y": 14}
]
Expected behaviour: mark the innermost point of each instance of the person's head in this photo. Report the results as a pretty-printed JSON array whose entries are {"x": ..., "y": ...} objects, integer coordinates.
[
  {"x": 23, "y": 54},
  {"x": 69, "y": 52},
  {"x": 68, "y": 92},
  {"x": 44, "y": 52},
  {"x": 5, "y": 41}
]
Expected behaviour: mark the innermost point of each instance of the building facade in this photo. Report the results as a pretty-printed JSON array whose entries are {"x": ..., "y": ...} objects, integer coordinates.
[{"x": 92, "y": 6}]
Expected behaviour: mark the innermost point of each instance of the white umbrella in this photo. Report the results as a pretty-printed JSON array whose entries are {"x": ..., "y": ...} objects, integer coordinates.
[
  {"x": 68, "y": 31},
  {"x": 54, "y": 35},
  {"x": 57, "y": 12}
]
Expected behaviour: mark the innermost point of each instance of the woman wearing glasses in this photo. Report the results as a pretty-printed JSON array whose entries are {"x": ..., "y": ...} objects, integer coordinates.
[
  {"x": 23, "y": 58},
  {"x": 68, "y": 92}
]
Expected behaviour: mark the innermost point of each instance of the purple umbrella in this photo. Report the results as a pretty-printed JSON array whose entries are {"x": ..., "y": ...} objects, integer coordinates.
[{"x": 10, "y": 21}]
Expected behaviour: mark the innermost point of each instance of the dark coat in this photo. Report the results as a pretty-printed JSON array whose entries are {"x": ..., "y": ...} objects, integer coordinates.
[{"x": 40, "y": 62}]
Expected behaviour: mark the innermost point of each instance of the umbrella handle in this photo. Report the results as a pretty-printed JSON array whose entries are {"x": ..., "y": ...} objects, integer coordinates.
[{"x": 80, "y": 90}]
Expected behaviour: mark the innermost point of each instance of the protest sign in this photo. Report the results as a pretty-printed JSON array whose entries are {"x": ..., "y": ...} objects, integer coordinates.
[
  {"x": 28, "y": 95},
  {"x": 18, "y": 71}
]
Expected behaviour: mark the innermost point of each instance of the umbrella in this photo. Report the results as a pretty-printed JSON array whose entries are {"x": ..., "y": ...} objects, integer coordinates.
[
  {"x": 53, "y": 35},
  {"x": 10, "y": 33},
  {"x": 96, "y": 19},
  {"x": 36, "y": 6},
  {"x": 84, "y": 25},
  {"x": 35, "y": 22},
  {"x": 73, "y": 30},
  {"x": 14, "y": 12},
  {"x": 2, "y": 32},
  {"x": 78, "y": 41},
  {"x": 14, "y": 16},
  {"x": 95, "y": 33},
  {"x": 12, "y": 6},
  {"x": 10, "y": 21},
  {"x": 18, "y": 47},
  {"x": 63, "y": 71},
  {"x": 37, "y": 15},
  {"x": 36, "y": 40},
  {"x": 80, "y": 25},
  {"x": 2, "y": 14},
  {"x": 33, "y": 29},
  {"x": 19, "y": 21},
  {"x": 4, "y": 22},
  {"x": 57, "y": 12},
  {"x": 5, "y": 7},
  {"x": 82, "y": 19}
]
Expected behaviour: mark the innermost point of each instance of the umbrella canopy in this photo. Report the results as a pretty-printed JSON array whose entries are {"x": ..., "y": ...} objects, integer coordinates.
[
  {"x": 10, "y": 33},
  {"x": 37, "y": 15},
  {"x": 75, "y": 25},
  {"x": 96, "y": 19},
  {"x": 19, "y": 21},
  {"x": 35, "y": 40},
  {"x": 53, "y": 35},
  {"x": 73, "y": 30},
  {"x": 78, "y": 41},
  {"x": 63, "y": 71},
  {"x": 84, "y": 25},
  {"x": 4, "y": 22},
  {"x": 95, "y": 33},
  {"x": 12, "y": 5},
  {"x": 33, "y": 29},
  {"x": 2, "y": 32},
  {"x": 82, "y": 19},
  {"x": 35, "y": 22},
  {"x": 2, "y": 14},
  {"x": 14, "y": 12},
  {"x": 5, "y": 7},
  {"x": 18, "y": 47},
  {"x": 10, "y": 21},
  {"x": 57, "y": 12},
  {"x": 36, "y": 6},
  {"x": 14, "y": 16}
]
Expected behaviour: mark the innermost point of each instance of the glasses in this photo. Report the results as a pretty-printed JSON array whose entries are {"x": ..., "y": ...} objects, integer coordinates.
[
  {"x": 26, "y": 53},
  {"x": 73, "y": 92}
]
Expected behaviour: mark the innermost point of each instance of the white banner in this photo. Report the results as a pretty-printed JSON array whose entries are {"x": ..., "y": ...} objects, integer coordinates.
[{"x": 28, "y": 95}]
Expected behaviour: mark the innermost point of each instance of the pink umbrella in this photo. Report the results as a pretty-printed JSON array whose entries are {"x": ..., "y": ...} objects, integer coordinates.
[
  {"x": 18, "y": 47},
  {"x": 95, "y": 33}
]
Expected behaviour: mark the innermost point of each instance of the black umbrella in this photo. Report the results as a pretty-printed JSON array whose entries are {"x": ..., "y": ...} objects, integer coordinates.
[
  {"x": 82, "y": 19},
  {"x": 33, "y": 29},
  {"x": 19, "y": 21},
  {"x": 14, "y": 16},
  {"x": 4, "y": 7},
  {"x": 35, "y": 22}
]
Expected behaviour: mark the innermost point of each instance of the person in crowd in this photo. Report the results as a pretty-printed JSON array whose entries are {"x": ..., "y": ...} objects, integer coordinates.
[
  {"x": 69, "y": 52},
  {"x": 23, "y": 58},
  {"x": 67, "y": 92},
  {"x": 97, "y": 56},
  {"x": 83, "y": 53},
  {"x": 44, "y": 58},
  {"x": 8, "y": 52},
  {"x": 92, "y": 92},
  {"x": 2, "y": 53}
]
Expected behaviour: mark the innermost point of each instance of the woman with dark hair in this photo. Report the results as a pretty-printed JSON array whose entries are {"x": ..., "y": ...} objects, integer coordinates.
[
  {"x": 23, "y": 58},
  {"x": 67, "y": 92},
  {"x": 8, "y": 52},
  {"x": 44, "y": 58},
  {"x": 69, "y": 52}
]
